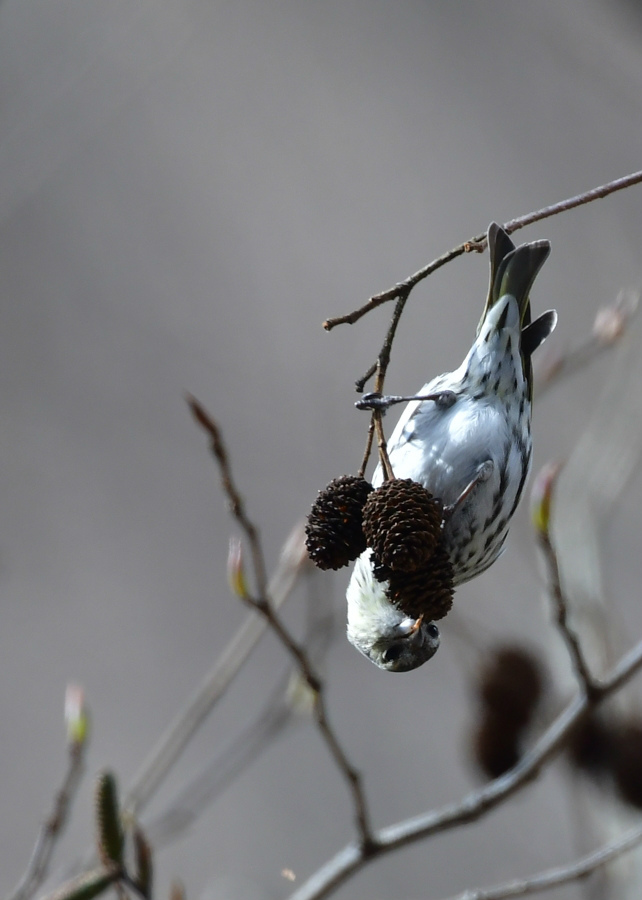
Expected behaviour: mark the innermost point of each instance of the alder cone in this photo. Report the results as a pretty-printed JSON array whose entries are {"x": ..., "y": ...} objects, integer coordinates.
[
  {"x": 495, "y": 745},
  {"x": 402, "y": 523},
  {"x": 511, "y": 684},
  {"x": 591, "y": 745},
  {"x": 334, "y": 532},
  {"x": 627, "y": 763},
  {"x": 426, "y": 592}
]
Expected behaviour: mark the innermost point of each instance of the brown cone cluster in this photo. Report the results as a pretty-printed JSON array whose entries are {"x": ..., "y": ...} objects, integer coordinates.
[
  {"x": 509, "y": 689},
  {"x": 510, "y": 684},
  {"x": 402, "y": 524},
  {"x": 495, "y": 747},
  {"x": 627, "y": 763},
  {"x": 591, "y": 744},
  {"x": 334, "y": 532},
  {"x": 608, "y": 748}
]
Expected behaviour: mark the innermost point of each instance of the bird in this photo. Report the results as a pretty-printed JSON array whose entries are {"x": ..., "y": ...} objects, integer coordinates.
[{"x": 466, "y": 438}]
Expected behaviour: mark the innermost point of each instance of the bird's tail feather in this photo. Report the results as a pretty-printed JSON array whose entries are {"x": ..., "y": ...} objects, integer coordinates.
[
  {"x": 517, "y": 272},
  {"x": 499, "y": 246},
  {"x": 537, "y": 332},
  {"x": 512, "y": 271}
]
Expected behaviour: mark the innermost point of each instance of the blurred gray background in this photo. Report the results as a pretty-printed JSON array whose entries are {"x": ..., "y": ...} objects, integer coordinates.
[{"x": 187, "y": 190}]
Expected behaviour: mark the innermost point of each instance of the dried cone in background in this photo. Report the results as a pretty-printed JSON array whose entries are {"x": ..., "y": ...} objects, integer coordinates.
[
  {"x": 627, "y": 763},
  {"x": 511, "y": 684},
  {"x": 426, "y": 591},
  {"x": 334, "y": 534},
  {"x": 496, "y": 745},
  {"x": 591, "y": 744},
  {"x": 402, "y": 524},
  {"x": 509, "y": 688}
]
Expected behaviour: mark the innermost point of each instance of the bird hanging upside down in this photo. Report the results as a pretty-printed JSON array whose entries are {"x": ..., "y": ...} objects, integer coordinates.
[{"x": 470, "y": 446}]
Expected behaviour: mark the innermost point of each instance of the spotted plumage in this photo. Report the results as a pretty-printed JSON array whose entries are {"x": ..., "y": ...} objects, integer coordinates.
[{"x": 473, "y": 452}]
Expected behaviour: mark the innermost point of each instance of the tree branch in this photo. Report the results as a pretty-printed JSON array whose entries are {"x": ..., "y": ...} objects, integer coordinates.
[
  {"x": 478, "y": 244},
  {"x": 263, "y": 604},
  {"x": 571, "y": 639},
  {"x": 479, "y": 802},
  {"x": 52, "y": 827},
  {"x": 559, "y": 875}
]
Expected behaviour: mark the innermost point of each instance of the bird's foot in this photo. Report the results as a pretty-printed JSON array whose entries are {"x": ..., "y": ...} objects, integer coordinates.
[
  {"x": 382, "y": 402},
  {"x": 484, "y": 471}
]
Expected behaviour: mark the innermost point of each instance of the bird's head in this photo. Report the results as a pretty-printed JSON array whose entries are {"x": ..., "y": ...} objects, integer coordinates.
[{"x": 382, "y": 632}]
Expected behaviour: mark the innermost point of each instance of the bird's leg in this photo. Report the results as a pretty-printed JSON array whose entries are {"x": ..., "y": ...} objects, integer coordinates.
[
  {"x": 484, "y": 471},
  {"x": 375, "y": 400}
]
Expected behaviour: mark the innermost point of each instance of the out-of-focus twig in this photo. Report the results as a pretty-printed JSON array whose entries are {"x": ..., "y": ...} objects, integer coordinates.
[
  {"x": 598, "y": 469},
  {"x": 611, "y": 324},
  {"x": 478, "y": 243},
  {"x": 279, "y": 713},
  {"x": 261, "y": 602},
  {"x": 54, "y": 825},
  {"x": 587, "y": 494},
  {"x": 559, "y": 875},
  {"x": 292, "y": 563},
  {"x": 351, "y": 859}
]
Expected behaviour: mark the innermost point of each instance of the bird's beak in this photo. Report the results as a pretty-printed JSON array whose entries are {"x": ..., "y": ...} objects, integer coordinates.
[{"x": 411, "y": 628}]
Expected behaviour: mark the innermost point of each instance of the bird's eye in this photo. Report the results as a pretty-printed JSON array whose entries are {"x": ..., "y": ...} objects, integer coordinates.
[
  {"x": 393, "y": 653},
  {"x": 432, "y": 631}
]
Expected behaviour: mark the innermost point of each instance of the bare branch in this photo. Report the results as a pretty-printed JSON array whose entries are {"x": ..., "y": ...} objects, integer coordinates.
[
  {"x": 289, "y": 704},
  {"x": 53, "y": 827},
  {"x": 479, "y": 802},
  {"x": 571, "y": 639},
  {"x": 263, "y": 604},
  {"x": 478, "y": 244},
  {"x": 381, "y": 367},
  {"x": 367, "y": 451},
  {"x": 597, "y": 193},
  {"x": 238, "y": 506},
  {"x": 560, "y": 875},
  {"x": 384, "y": 459}
]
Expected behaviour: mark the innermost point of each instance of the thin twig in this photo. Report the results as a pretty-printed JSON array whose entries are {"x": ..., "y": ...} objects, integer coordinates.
[
  {"x": 262, "y": 603},
  {"x": 384, "y": 459},
  {"x": 367, "y": 451},
  {"x": 559, "y": 875},
  {"x": 189, "y": 719},
  {"x": 479, "y": 802},
  {"x": 52, "y": 827},
  {"x": 571, "y": 639},
  {"x": 361, "y": 383},
  {"x": 478, "y": 243},
  {"x": 285, "y": 707},
  {"x": 380, "y": 368},
  {"x": 238, "y": 506}
]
